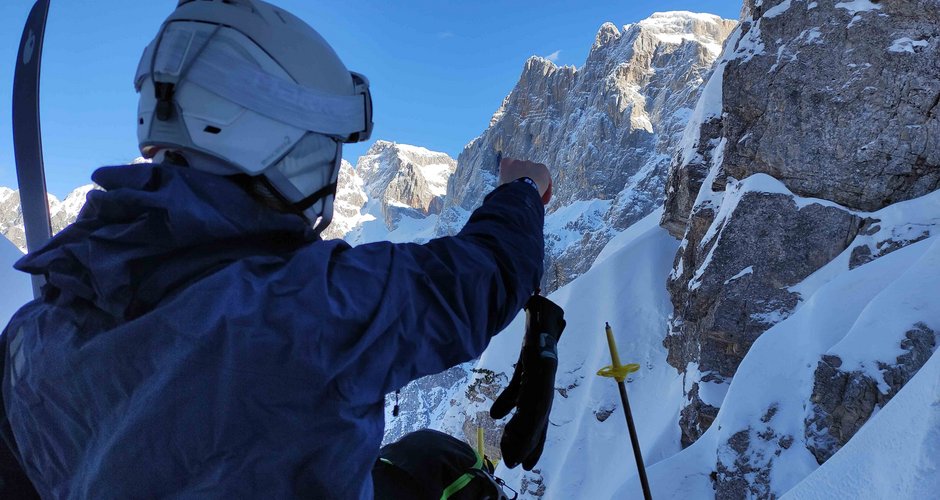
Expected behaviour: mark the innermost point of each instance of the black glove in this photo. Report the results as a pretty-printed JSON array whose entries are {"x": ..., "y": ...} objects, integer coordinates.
[{"x": 532, "y": 388}]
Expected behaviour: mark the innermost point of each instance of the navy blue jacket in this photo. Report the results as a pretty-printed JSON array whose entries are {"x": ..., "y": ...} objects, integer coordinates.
[{"x": 193, "y": 343}]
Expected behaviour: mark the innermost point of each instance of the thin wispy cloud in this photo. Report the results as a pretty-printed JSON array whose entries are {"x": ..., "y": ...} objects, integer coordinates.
[
  {"x": 443, "y": 35},
  {"x": 553, "y": 57}
]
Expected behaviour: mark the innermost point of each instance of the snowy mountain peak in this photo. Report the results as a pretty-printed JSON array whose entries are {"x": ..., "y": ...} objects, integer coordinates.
[
  {"x": 673, "y": 28},
  {"x": 391, "y": 184},
  {"x": 538, "y": 64},
  {"x": 679, "y": 16},
  {"x": 405, "y": 175},
  {"x": 606, "y": 34},
  {"x": 5, "y": 194}
]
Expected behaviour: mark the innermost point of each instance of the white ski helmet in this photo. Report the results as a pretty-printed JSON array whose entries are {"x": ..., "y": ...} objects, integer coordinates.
[{"x": 254, "y": 86}]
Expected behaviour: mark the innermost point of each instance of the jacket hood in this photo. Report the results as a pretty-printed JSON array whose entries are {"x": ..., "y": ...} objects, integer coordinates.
[{"x": 154, "y": 228}]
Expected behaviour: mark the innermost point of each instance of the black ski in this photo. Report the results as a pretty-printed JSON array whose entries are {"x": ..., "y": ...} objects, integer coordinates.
[{"x": 27, "y": 135}]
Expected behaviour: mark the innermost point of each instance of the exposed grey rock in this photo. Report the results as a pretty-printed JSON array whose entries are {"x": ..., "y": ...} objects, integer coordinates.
[
  {"x": 835, "y": 102},
  {"x": 840, "y": 105},
  {"x": 602, "y": 414},
  {"x": 731, "y": 481},
  {"x": 696, "y": 417},
  {"x": 744, "y": 464},
  {"x": 686, "y": 176},
  {"x": 391, "y": 184},
  {"x": 842, "y": 401},
  {"x": 533, "y": 485},
  {"x": 731, "y": 287},
  {"x": 899, "y": 238}
]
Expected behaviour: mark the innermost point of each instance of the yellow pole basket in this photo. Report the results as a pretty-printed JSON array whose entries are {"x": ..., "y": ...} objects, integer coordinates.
[{"x": 616, "y": 370}]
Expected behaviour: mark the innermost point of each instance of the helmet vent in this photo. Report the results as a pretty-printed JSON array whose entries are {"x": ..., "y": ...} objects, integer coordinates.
[{"x": 211, "y": 130}]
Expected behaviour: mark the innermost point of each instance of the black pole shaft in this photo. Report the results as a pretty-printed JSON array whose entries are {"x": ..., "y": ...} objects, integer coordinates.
[{"x": 637, "y": 454}]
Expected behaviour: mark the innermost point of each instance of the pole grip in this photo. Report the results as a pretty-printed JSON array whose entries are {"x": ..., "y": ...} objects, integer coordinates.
[{"x": 612, "y": 343}]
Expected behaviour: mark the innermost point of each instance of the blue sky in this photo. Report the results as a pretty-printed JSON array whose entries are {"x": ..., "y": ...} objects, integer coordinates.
[{"x": 439, "y": 68}]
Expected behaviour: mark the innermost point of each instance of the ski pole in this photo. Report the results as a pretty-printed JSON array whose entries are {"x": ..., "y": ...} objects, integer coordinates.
[{"x": 620, "y": 372}]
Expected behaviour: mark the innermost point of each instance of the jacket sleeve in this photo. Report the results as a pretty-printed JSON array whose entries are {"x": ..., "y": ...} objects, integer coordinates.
[{"x": 397, "y": 312}]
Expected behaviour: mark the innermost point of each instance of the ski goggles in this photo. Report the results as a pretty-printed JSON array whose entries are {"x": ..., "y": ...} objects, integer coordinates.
[{"x": 345, "y": 117}]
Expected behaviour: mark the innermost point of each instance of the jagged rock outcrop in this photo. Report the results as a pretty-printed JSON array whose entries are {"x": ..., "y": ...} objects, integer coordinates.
[
  {"x": 732, "y": 283},
  {"x": 420, "y": 403},
  {"x": 816, "y": 112},
  {"x": 606, "y": 130},
  {"x": 844, "y": 401}
]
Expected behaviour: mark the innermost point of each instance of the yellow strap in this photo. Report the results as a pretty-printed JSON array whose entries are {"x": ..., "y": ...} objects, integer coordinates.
[{"x": 618, "y": 372}]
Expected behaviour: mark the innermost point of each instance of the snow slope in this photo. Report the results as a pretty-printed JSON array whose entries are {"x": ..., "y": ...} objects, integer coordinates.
[
  {"x": 895, "y": 453},
  {"x": 587, "y": 446},
  {"x": 859, "y": 314},
  {"x": 862, "y": 316}
]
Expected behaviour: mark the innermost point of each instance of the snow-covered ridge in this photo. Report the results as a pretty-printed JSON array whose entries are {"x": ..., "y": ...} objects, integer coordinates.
[{"x": 17, "y": 287}]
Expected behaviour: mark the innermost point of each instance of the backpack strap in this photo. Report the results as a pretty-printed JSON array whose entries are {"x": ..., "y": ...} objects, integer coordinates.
[{"x": 462, "y": 481}]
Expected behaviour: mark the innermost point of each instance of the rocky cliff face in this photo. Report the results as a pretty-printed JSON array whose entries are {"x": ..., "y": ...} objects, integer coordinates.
[
  {"x": 606, "y": 130},
  {"x": 818, "y": 113}
]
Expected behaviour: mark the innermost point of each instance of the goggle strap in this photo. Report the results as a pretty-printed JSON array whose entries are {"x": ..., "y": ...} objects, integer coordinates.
[{"x": 343, "y": 117}]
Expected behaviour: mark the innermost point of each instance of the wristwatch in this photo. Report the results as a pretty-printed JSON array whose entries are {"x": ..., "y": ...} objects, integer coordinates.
[{"x": 529, "y": 181}]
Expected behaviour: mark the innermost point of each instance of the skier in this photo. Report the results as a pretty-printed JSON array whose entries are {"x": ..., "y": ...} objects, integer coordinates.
[{"x": 195, "y": 336}]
